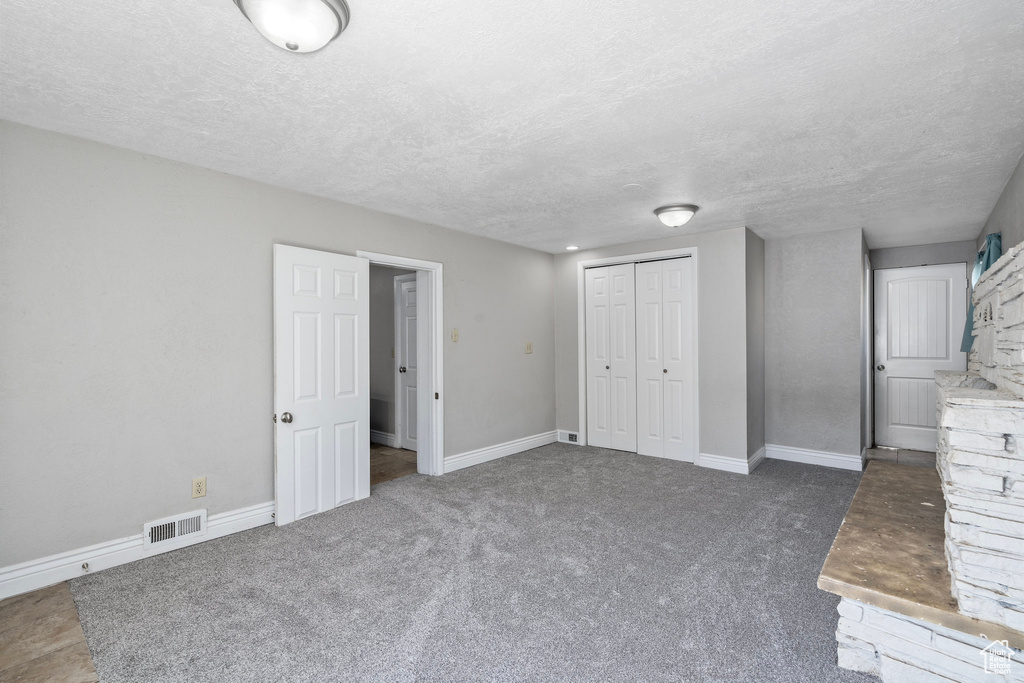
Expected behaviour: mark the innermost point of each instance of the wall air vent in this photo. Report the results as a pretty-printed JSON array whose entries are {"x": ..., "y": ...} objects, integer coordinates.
[
  {"x": 163, "y": 533},
  {"x": 565, "y": 436}
]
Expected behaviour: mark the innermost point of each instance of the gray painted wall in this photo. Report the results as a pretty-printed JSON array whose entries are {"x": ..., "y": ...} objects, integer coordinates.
[
  {"x": 136, "y": 353},
  {"x": 924, "y": 255},
  {"x": 755, "y": 342},
  {"x": 382, "y": 346},
  {"x": 721, "y": 340},
  {"x": 1007, "y": 216},
  {"x": 812, "y": 341}
]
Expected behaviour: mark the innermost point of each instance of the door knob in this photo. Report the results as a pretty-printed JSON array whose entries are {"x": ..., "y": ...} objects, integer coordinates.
[
  {"x": 286, "y": 417},
  {"x": 607, "y": 367},
  {"x": 880, "y": 368},
  {"x": 401, "y": 369},
  {"x": 665, "y": 370}
]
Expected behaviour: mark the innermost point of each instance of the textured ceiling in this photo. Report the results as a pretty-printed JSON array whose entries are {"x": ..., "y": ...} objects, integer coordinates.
[{"x": 545, "y": 124}]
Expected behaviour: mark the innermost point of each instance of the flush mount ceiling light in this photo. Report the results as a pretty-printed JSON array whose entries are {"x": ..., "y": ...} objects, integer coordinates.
[
  {"x": 675, "y": 215},
  {"x": 297, "y": 25},
  {"x": 571, "y": 247}
]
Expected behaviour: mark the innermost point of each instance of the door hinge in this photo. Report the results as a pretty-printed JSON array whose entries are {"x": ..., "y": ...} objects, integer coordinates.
[
  {"x": 437, "y": 395},
  {"x": 275, "y": 417}
]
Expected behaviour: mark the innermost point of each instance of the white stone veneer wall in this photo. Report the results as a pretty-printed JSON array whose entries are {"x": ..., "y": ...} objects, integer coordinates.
[
  {"x": 980, "y": 455},
  {"x": 900, "y": 649}
]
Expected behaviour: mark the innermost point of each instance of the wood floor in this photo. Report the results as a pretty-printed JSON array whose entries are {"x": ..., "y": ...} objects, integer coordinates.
[
  {"x": 41, "y": 638},
  {"x": 388, "y": 463},
  {"x": 902, "y": 456}
]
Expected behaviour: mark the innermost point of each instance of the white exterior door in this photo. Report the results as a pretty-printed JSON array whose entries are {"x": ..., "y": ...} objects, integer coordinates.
[
  {"x": 611, "y": 357},
  {"x": 919, "y": 319},
  {"x": 666, "y": 362},
  {"x": 405, "y": 360},
  {"x": 321, "y": 381}
]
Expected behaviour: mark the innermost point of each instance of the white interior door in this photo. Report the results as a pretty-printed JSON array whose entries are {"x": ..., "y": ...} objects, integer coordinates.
[
  {"x": 406, "y": 402},
  {"x": 611, "y": 357},
  {"x": 919, "y": 318},
  {"x": 666, "y": 363},
  {"x": 321, "y": 380}
]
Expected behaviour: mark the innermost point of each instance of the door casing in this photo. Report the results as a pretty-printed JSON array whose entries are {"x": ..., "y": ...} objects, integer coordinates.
[{"x": 429, "y": 354}]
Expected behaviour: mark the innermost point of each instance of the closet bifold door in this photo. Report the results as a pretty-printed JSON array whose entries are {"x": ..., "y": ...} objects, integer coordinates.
[
  {"x": 611, "y": 357},
  {"x": 666, "y": 367}
]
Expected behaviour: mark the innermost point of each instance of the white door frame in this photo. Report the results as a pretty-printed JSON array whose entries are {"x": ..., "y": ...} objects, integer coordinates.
[
  {"x": 581, "y": 326},
  {"x": 429, "y": 354},
  {"x": 400, "y": 407}
]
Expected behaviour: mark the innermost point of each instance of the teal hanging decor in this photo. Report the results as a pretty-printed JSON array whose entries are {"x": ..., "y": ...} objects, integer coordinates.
[{"x": 986, "y": 257}]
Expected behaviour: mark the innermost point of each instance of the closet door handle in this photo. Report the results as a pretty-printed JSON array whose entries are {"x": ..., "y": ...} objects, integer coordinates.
[
  {"x": 665, "y": 370},
  {"x": 607, "y": 367}
]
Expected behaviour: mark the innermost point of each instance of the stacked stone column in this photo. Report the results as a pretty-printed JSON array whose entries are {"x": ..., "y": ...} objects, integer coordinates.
[{"x": 980, "y": 454}]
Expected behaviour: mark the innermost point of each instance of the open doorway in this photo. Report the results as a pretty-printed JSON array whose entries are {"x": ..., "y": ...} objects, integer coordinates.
[
  {"x": 392, "y": 373},
  {"x": 407, "y": 407}
]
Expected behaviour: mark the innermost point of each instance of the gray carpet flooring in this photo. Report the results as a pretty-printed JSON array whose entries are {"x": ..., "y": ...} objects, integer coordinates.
[{"x": 561, "y": 563}]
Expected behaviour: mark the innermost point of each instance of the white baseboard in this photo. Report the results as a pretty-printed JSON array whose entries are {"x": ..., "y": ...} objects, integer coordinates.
[
  {"x": 756, "y": 459},
  {"x": 480, "y": 455},
  {"x": 563, "y": 437},
  {"x": 28, "y": 576},
  {"x": 384, "y": 438},
  {"x": 809, "y": 457},
  {"x": 736, "y": 465}
]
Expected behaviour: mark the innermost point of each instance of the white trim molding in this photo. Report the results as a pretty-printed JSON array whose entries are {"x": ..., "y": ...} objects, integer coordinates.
[
  {"x": 735, "y": 465},
  {"x": 838, "y": 460},
  {"x": 385, "y": 438},
  {"x": 430, "y": 355},
  {"x": 28, "y": 576},
  {"x": 756, "y": 459},
  {"x": 481, "y": 455}
]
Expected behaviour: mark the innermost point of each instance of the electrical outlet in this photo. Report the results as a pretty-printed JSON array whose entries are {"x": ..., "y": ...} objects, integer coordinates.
[
  {"x": 455, "y": 334},
  {"x": 199, "y": 487},
  {"x": 529, "y": 347}
]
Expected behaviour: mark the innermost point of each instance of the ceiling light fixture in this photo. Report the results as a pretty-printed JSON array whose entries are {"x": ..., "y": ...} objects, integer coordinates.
[
  {"x": 675, "y": 215},
  {"x": 571, "y": 247},
  {"x": 297, "y": 25}
]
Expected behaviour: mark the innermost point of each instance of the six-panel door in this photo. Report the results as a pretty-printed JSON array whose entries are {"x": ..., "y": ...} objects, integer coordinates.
[{"x": 321, "y": 381}]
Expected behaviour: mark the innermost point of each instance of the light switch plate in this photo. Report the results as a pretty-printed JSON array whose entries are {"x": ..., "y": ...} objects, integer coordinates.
[
  {"x": 455, "y": 334},
  {"x": 529, "y": 347}
]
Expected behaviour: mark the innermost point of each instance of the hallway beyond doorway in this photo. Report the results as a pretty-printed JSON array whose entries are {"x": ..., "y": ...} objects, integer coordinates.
[{"x": 388, "y": 463}]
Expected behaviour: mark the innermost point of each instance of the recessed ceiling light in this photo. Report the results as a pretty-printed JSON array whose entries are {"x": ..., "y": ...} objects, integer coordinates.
[
  {"x": 676, "y": 214},
  {"x": 571, "y": 247},
  {"x": 297, "y": 25}
]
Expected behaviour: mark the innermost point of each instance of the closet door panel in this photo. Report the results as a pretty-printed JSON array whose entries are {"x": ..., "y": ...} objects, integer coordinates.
[
  {"x": 598, "y": 290},
  {"x": 650, "y": 361},
  {"x": 680, "y": 396},
  {"x": 611, "y": 357},
  {"x": 623, "y": 357}
]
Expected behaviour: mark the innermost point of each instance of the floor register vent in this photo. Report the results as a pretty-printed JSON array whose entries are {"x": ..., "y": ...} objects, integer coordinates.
[{"x": 164, "y": 532}]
